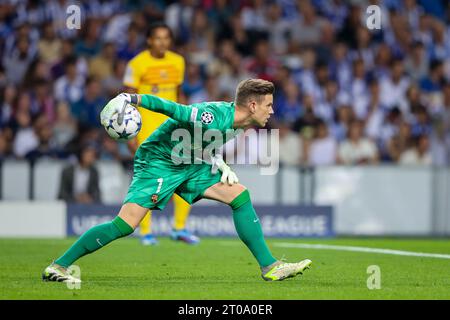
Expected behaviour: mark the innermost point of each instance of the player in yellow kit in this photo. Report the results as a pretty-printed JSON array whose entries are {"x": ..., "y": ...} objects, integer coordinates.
[{"x": 160, "y": 72}]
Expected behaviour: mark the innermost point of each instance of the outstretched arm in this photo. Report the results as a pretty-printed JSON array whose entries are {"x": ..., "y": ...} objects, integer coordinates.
[{"x": 179, "y": 112}]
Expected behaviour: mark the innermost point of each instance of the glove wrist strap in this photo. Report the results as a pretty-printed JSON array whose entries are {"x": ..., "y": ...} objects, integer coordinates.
[{"x": 134, "y": 99}]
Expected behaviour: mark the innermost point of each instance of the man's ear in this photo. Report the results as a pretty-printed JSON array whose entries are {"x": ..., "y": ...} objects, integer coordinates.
[{"x": 252, "y": 106}]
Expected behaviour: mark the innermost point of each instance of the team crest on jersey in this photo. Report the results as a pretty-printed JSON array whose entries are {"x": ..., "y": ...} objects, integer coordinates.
[
  {"x": 207, "y": 117},
  {"x": 154, "y": 198}
]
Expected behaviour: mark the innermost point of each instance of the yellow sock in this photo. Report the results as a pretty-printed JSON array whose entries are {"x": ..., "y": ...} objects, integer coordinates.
[
  {"x": 146, "y": 224},
  {"x": 180, "y": 212}
]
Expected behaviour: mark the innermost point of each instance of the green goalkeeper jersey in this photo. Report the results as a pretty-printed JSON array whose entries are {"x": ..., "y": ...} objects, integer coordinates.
[{"x": 193, "y": 132}]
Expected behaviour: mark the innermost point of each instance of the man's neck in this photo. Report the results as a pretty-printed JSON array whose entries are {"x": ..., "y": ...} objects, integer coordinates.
[
  {"x": 156, "y": 55},
  {"x": 242, "y": 118}
]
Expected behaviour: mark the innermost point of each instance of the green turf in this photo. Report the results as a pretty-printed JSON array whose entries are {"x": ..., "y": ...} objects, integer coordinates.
[{"x": 224, "y": 269}]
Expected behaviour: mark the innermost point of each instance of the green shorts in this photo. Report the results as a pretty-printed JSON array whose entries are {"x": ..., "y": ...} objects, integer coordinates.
[{"x": 156, "y": 179}]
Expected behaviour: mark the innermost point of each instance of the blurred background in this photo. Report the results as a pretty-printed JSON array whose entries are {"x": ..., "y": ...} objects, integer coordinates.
[{"x": 363, "y": 115}]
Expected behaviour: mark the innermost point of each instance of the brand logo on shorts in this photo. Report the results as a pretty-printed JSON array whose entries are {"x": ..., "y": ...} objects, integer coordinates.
[
  {"x": 207, "y": 117},
  {"x": 154, "y": 198}
]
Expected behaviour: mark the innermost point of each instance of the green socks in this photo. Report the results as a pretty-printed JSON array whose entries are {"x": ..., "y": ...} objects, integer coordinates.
[
  {"x": 93, "y": 239},
  {"x": 249, "y": 229},
  {"x": 245, "y": 220}
]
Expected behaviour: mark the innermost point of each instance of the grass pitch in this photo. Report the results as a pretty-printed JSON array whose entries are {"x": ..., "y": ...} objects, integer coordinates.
[{"x": 224, "y": 269}]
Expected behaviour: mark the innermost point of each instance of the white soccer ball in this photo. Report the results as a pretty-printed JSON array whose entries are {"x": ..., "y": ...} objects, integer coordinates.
[{"x": 130, "y": 126}]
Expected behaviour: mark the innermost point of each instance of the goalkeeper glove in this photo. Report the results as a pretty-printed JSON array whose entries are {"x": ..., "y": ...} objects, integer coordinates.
[
  {"x": 227, "y": 174},
  {"x": 117, "y": 105}
]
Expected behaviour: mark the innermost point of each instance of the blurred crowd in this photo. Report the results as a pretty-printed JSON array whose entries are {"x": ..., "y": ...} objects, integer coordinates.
[{"x": 344, "y": 94}]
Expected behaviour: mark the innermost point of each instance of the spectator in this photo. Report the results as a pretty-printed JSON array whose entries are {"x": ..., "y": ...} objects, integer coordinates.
[
  {"x": 363, "y": 49},
  {"x": 89, "y": 45},
  {"x": 326, "y": 107},
  {"x": 290, "y": 147},
  {"x": 178, "y": 17},
  {"x": 439, "y": 145},
  {"x": 220, "y": 14},
  {"x": 433, "y": 82},
  {"x": 25, "y": 137},
  {"x": 66, "y": 55},
  {"x": 356, "y": 149},
  {"x": 101, "y": 65},
  {"x": 287, "y": 102},
  {"x": 419, "y": 154},
  {"x": 44, "y": 149},
  {"x": 210, "y": 92},
  {"x": 358, "y": 89},
  {"x": 42, "y": 100},
  {"x": 87, "y": 109},
  {"x": 113, "y": 83},
  {"x": 305, "y": 76},
  {"x": 17, "y": 62},
  {"x": 254, "y": 18},
  {"x": 80, "y": 182},
  {"x": 240, "y": 37},
  {"x": 235, "y": 73},
  {"x": 421, "y": 124},
  {"x": 4, "y": 146},
  {"x": 322, "y": 150},
  {"x": 445, "y": 109},
  {"x": 193, "y": 82},
  {"x": 441, "y": 41},
  {"x": 133, "y": 45},
  {"x": 6, "y": 107},
  {"x": 393, "y": 87},
  {"x": 383, "y": 61},
  {"x": 413, "y": 100},
  {"x": 201, "y": 40},
  {"x": 308, "y": 30},
  {"x": 417, "y": 64},
  {"x": 262, "y": 65},
  {"x": 110, "y": 150},
  {"x": 340, "y": 66},
  {"x": 375, "y": 112},
  {"x": 64, "y": 128},
  {"x": 398, "y": 144},
  {"x": 344, "y": 115},
  {"x": 49, "y": 45},
  {"x": 307, "y": 122},
  {"x": 70, "y": 86},
  {"x": 38, "y": 71},
  {"x": 279, "y": 29}
]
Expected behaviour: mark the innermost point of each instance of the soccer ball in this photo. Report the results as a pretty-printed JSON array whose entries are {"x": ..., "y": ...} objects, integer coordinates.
[{"x": 130, "y": 126}]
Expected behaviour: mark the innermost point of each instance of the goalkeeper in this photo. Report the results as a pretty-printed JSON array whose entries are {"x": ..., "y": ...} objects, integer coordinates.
[{"x": 158, "y": 174}]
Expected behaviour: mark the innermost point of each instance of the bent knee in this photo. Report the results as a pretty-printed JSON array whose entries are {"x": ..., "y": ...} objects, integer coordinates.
[{"x": 132, "y": 214}]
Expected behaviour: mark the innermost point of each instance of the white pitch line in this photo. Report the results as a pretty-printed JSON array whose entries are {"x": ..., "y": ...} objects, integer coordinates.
[{"x": 361, "y": 249}]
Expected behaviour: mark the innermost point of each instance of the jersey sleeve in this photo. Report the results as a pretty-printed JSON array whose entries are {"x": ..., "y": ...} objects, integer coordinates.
[
  {"x": 132, "y": 76},
  {"x": 207, "y": 115}
]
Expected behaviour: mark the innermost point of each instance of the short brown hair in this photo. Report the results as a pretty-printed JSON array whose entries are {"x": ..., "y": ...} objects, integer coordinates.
[{"x": 253, "y": 88}]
